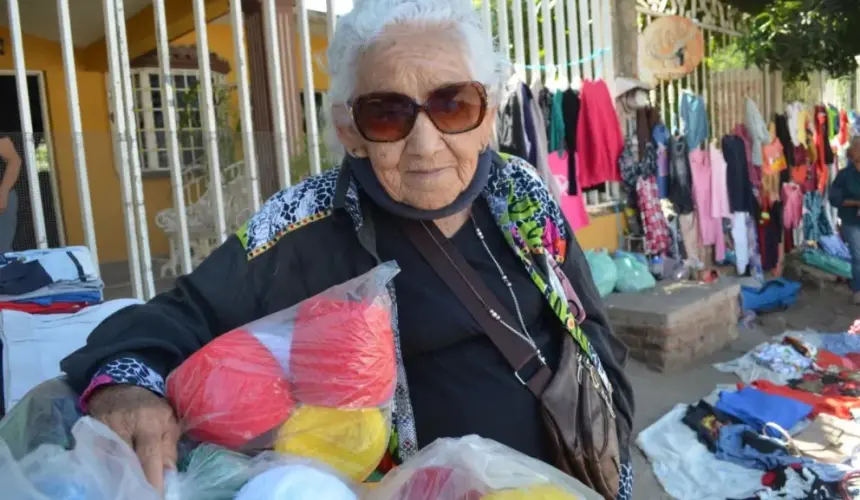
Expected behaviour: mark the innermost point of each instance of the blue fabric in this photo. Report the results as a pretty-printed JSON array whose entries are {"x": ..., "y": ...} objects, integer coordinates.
[
  {"x": 840, "y": 343},
  {"x": 756, "y": 408},
  {"x": 815, "y": 221},
  {"x": 835, "y": 246},
  {"x": 851, "y": 234},
  {"x": 625, "y": 486},
  {"x": 660, "y": 134},
  {"x": 732, "y": 448},
  {"x": 845, "y": 187},
  {"x": 82, "y": 296},
  {"x": 694, "y": 120}
]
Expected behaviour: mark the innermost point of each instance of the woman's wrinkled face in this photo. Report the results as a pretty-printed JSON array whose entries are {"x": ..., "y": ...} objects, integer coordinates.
[{"x": 428, "y": 169}]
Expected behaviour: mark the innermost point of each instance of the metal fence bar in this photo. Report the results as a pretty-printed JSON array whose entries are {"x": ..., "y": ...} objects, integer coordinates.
[
  {"x": 276, "y": 91},
  {"x": 74, "y": 105},
  {"x": 210, "y": 126},
  {"x": 136, "y": 179},
  {"x": 550, "y": 70},
  {"x": 585, "y": 38},
  {"x": 534, "y": 44},
  {"x": 502, "y": 23},
  {"x": 573, "y": 44},
  {"x": 312, "y": 127},
  {"x": 561, "y": 44},
  {"x": 26, "y": 123},
  {"x": 243, "y": 85},
  {"x": 121, "y": 151},
  {"x": 172, "y": 137},
  {"x": 487, "y": 19},
  {"x": 519, "y": 38}
]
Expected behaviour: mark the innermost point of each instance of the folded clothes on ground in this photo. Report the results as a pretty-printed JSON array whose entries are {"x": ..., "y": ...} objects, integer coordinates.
[
  {"x": 29, "y": 274},
  {"x": 757, "y": 408}
]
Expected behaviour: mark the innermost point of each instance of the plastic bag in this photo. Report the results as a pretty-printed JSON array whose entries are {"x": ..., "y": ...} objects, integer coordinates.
[
  {"x": 633, "y": 275},
  {"x": 44, "y": 416},
  {"x": 603, "y": 271},
  {"x": 101, "y": 466},
  {"x": 473, "y": 468},
  {"x": 315, "y": 380},
  {"x": 211, "y": 472}
]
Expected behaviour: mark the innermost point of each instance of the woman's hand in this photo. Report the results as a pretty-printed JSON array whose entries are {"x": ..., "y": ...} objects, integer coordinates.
[{"x": 145, "y": 421}]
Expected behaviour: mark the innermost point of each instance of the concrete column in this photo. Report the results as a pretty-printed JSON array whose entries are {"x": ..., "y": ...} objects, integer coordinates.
[
  {"x": 625, "y": 36},
  {"x": 260, "y": 100}
]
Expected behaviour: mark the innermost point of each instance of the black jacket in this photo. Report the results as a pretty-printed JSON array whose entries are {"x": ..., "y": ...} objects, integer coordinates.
[{"x": 248, "y": 278}]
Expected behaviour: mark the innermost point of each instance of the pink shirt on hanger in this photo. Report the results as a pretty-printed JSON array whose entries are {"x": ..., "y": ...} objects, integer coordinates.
[
  {"x": 573, "y": 207},
  {"x": 719, "y": 188},
  {"x": 710, "y": 227}
]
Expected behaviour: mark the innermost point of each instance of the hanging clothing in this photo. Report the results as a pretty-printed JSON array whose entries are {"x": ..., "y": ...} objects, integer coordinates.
[
  {"x": 770, "y": 236},
  {"x": 757, "y": 128},
  {"x": 690, "y": 235},
  {"x": 657, "y": 236},
  {"x": 680, "y": 177},
  {"x": 754, "y": 248},
  {"x": 660, "y": 134},
  {"x": 541, "y": 145},
  {"x": 662, "y": 170},
  {"x": 815, "y": 221},
  {"x": 557, "y": 122},
  {"x": 832, "y": 122},
  {"x": 572, "y": 206},
  {"x": 694, "y": 120},
  {"x": 783, "y": 134},
  {"x": 844, "y": 128},
  {"x": 571, "y": 108},
  {"x": 633, "y": 169},
  {"x": 792, "y": 203},
  {"x": 544, "y": 98},
  {"x": 510, "y": 123},
  {"x": 740, "y": 193},
  {"x": 710, "y": 227},
  {"x": 797, "y": 116},
  {"x": 598, "y": 135},
  {"x": 739, "y": 236},
  {"x": 821, "y": 136},
  {"x": 646, "y": 119},
  {"x": 720, "y": 206}
]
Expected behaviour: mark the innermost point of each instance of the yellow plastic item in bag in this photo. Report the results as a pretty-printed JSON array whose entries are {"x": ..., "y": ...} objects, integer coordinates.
[{"x": 352, "y": 442}]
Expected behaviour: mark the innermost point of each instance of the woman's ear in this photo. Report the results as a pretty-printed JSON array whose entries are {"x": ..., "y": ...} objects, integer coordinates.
[{"x": 346, "y": 132}]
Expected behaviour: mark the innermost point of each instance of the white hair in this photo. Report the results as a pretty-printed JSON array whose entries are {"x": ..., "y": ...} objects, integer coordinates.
[{"x": 358, "y": 29}]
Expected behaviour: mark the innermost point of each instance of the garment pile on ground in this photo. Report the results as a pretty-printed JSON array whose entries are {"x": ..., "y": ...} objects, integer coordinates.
[
  {"x": 790, "y": 429},
  {"x": 294, "y": 406}
]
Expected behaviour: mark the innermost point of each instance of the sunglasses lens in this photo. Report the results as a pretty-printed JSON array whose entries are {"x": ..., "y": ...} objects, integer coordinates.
[
  {"x": 384, "y": 117},
  {"x": 457, "y": 108}
]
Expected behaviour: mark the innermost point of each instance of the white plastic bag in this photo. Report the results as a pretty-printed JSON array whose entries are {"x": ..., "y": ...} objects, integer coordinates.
[
  {"x": 474, "y": 468},
  {"x": 101, "y": 466},
  {"x": 215, "y": 473}
]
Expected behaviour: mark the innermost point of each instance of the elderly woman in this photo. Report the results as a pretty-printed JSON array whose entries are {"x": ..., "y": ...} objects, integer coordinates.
[{"x": 414, "y": 84}]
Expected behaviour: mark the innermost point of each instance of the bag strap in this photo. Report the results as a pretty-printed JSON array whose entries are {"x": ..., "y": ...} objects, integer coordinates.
[{"x": 470, "y": 289}]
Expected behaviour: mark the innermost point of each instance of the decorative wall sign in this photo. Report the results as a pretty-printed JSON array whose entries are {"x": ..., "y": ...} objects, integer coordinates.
[{"x": 669, "y": 48}]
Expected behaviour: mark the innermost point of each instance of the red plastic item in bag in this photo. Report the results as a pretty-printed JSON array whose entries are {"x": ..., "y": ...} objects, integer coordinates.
[
  {"x": 346, "y": 362},
  {"x": 433, "y": 483},
  {"x": 230, "y": 391}
]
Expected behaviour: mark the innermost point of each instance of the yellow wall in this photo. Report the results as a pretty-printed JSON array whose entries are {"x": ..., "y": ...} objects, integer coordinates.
[
  {"x": 601, "y": 232},
  {"x": 45, "y": 56}
]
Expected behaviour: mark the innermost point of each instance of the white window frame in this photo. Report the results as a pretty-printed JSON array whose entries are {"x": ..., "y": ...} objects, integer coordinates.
[{"x": 148, "y": 147}]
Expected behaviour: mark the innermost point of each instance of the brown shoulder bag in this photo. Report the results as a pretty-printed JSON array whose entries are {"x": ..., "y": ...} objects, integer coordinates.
[{"x": 578, "y": 416}]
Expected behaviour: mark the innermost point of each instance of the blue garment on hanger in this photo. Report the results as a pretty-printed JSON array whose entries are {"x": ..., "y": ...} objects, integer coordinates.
[
  {"x": 556, "y": 124},
  {"x": 660, "y": 134},
  {"x": 694, "y": 120},
  {"x": 815, "y": 221},
  {"x": 756, "y": 408}
]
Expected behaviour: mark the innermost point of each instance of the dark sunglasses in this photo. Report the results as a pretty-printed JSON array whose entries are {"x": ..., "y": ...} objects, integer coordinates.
[{"x": 389, "y": 116}]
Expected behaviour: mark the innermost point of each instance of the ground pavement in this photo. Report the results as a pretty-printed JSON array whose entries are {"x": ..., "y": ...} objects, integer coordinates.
[{"x": 657, "y": 393}]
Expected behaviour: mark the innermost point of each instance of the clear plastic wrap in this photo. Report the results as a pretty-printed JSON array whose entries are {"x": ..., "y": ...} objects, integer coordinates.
[
  {"x": 101, "y": 466},
  {"x": 212, "y": 472},
  {"x": 315, "y": 380},
  {"x": 44, "y": 416},
  {"x": 473, "y": 468}
]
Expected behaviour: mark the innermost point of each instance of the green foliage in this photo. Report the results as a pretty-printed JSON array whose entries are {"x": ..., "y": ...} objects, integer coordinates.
[{"x": 803, "y": 36}]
